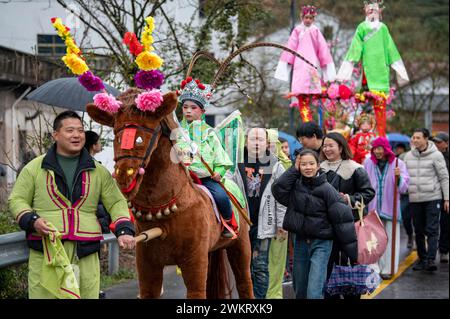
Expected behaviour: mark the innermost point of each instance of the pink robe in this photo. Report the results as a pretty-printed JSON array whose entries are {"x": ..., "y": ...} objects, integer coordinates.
[{"x": 310, "y": 43}]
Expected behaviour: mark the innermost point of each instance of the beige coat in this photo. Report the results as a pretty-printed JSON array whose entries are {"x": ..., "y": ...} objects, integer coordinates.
[{"x": 428, "y": 175}]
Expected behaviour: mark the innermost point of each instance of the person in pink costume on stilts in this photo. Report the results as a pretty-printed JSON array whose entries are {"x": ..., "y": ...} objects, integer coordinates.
[{"x": 307, "y": 40}]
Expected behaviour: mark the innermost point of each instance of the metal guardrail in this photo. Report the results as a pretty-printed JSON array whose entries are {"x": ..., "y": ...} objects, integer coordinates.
[{"x": 14, "y": 250}]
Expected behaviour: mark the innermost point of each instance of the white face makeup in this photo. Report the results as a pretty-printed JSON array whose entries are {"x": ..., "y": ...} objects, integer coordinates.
[{"x": 373, "y": 12}]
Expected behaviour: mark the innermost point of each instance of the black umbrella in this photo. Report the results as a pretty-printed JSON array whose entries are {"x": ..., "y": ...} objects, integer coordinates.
[{"x": 67, "y": 93}]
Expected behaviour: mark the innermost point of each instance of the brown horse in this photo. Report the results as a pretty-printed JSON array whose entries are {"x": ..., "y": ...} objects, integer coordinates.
[{"x": 163, "y": 196}]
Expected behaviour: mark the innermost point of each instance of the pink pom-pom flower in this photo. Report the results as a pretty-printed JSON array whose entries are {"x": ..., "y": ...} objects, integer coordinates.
[
  {"x": 149, "y": 101},
  {"x": 333, "y": 91},
  {"x": 107, "y": 102},
  {"x": 391, "y": 96}
]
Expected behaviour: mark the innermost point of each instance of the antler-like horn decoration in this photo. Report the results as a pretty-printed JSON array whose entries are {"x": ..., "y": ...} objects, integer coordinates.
[
  {"x": 227, "y": 61},
  {"x": 198, "y": 55}
]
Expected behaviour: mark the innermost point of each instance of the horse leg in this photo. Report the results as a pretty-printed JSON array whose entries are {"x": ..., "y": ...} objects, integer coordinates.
[
  {"x": 194, "y": 272},
  {"x": 150, "y": 282},
  {"x": 150, "y": 274},
  {"x": 239, "y": 257}
]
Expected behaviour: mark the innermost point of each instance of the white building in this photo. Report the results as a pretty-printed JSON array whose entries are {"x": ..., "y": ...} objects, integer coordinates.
[{"x": 26, "y": 31}]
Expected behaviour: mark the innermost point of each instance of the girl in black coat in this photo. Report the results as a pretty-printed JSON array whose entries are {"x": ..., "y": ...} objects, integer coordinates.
[
  {"x": 352, "y": 182},
  {"x": 317, "y": 214}
]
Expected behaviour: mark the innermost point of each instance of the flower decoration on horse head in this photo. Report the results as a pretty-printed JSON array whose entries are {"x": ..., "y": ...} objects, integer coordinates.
[{"x": 148, "y": 78}]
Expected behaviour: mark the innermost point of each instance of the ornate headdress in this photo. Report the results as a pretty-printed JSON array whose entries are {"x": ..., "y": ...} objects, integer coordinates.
[
  {"x": 148, "y": 78},
  {"x": 365, "y": 117},
  {"x": 196, "y": 91},
  {"x": 374, "y": 4},
  {"x": 309, "y": 10}
]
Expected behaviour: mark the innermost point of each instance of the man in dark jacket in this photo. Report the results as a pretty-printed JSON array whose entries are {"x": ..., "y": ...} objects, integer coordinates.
[
  {"x": 310, "y": 135},
  {"x": 441, "y": 141}
]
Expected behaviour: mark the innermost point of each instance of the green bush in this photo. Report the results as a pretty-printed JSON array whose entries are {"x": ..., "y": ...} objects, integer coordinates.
[
  {"x": 7, "y": 223},
  {"x": 14, "y": 282}
]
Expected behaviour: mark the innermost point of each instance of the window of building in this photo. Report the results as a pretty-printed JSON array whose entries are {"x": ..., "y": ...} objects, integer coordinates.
[{"x": 50, "y": 45}]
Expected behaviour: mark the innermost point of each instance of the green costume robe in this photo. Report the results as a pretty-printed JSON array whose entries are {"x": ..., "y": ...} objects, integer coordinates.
[
  {"x": 373, "y": 45},
  {"x": 209, "y": 147},
  {"x": 213, "y": 153}
]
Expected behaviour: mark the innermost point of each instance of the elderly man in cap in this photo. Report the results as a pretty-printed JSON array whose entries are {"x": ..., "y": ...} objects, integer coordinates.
[{"x": 441, "y": 141}]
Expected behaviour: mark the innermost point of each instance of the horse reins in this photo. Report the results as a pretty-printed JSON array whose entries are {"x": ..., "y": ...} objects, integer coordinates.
[{"x": 162, "y": 127}]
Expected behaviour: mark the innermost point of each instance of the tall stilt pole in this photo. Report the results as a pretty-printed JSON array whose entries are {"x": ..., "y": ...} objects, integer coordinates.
[{"x": 394, "y": 222}]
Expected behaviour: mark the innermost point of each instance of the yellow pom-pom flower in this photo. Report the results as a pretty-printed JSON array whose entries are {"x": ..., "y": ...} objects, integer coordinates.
[
  {"x": 61, "y": 28},
  {"x": 148, "y": 61},
  {"x": 150, "y": 23},
  {"x": 147, "y": 38},
  {"x": 71, "y": 46},
  {"x": 75, "y": 64}
]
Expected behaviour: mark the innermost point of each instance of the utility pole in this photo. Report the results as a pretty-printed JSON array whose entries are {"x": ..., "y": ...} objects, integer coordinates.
[{"x": 291, "y": 110}]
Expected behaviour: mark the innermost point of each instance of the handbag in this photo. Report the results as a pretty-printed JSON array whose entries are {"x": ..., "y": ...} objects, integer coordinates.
[
  {"x": 372, "y": 237},
  {"x": 352, "y": 280}
]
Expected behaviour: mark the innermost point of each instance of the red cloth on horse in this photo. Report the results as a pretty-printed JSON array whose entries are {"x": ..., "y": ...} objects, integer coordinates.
[{"x": 195, "y": 178}]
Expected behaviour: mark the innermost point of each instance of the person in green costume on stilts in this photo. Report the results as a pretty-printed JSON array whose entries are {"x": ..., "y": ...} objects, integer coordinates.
[{"x": 373, "y": 45}]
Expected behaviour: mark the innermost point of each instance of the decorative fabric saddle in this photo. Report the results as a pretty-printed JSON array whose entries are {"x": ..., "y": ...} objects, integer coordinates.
[{"x": 234, "y": 216}]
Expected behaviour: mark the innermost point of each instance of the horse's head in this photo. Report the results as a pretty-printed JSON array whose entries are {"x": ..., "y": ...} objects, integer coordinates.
[{"x": 136, "y": 135}]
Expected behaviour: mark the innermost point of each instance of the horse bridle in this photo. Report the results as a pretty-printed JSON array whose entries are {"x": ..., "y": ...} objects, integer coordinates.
[{"x": 161, "y": 127}]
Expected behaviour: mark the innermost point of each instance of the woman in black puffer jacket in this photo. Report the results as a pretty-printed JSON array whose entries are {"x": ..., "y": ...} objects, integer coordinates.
[
  {"x": 351, "y": 180},
  {"x": 317, "y": 214}
]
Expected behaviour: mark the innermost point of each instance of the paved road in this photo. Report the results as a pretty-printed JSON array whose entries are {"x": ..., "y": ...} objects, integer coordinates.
[{"x": 409, "y": 285}]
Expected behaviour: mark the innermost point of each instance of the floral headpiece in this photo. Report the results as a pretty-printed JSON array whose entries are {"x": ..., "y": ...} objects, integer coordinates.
[
  {"x": 365, "y": 117},
  {"x": 147, "y": 78},
  {"x": 195, "y": 91},
  {"x": 309, "y": 10}
]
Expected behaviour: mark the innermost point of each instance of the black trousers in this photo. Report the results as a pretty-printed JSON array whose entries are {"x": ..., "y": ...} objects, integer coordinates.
[{"x": 426, "y": 217}]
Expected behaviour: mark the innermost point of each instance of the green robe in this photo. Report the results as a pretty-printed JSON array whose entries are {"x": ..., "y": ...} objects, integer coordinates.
[
  {"x": 378, "y": 52},
  {"x": 209, "y": 147}
]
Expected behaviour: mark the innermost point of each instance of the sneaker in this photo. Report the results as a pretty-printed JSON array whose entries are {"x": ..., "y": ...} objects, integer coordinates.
[
  {"x": 287, "y": 277},
  {"x": 431, "y": 266},
  {"x": 102, "y": 295},
  {"x": 420, "y": 265},
  {"x": 410, "y": 242},
  {"x": 444, "y": 258}
]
